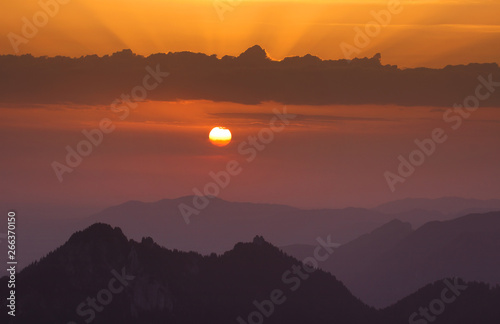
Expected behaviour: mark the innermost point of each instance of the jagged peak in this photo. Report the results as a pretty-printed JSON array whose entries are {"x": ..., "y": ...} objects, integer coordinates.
[
  {"x": 98, "y": 231},
  {"x": 259, "y": 240}
]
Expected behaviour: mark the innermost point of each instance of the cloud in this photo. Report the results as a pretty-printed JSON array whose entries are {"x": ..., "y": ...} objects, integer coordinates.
[
  {"x": 315, "y": 118},
  {"x": 250, "y": 78}
]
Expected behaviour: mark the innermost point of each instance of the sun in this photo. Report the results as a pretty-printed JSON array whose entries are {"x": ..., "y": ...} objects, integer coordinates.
[{"x": 220, "y": 136}]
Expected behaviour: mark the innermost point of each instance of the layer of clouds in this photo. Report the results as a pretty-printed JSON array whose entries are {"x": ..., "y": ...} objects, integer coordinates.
[{"x": 250, "y": 78}]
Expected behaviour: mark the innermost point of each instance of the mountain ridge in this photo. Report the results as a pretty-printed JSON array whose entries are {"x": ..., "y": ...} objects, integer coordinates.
[
  {"x": 162, "y": 285},
  {"x": 381, "y": 269},
  {"x": 212, "y": 228}
]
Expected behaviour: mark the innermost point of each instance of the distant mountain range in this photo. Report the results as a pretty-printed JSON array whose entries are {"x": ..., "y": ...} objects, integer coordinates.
[
  {"x": 99, "y": 276},
  {"x": 447, "y": 205},
  {"x": 223, "y": 223},
  {"x": 392, "y": 261},
  {"x": 381, "y": 257},
  {"x": 250, "y": 78}
]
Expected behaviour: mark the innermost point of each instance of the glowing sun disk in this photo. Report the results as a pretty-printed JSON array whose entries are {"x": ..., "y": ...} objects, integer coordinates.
[{"x": 220, "y": 136}]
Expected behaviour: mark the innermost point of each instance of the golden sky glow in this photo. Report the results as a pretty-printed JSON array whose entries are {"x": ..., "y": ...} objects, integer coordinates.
[
  {"x": 425, "y": 33},
  {"x": 349, "y": 148}
]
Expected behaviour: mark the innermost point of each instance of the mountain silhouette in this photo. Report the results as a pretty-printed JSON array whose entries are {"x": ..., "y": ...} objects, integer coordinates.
[
  {"x": 472, "y": 302},
  {"x": 391, "y": 262},
  {"x": 99, "y": 276},
  {"x": 446, "y": 205},
  {"x": 218, "y": 227},
  {"x": 168, "y": 286}
]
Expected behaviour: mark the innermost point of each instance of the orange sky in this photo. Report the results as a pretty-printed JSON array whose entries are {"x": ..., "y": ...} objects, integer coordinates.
[
  {"x": 329, "y": 156},
  {"x": 426, "y": 33},
  {"x": 163, "y": 150}
]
